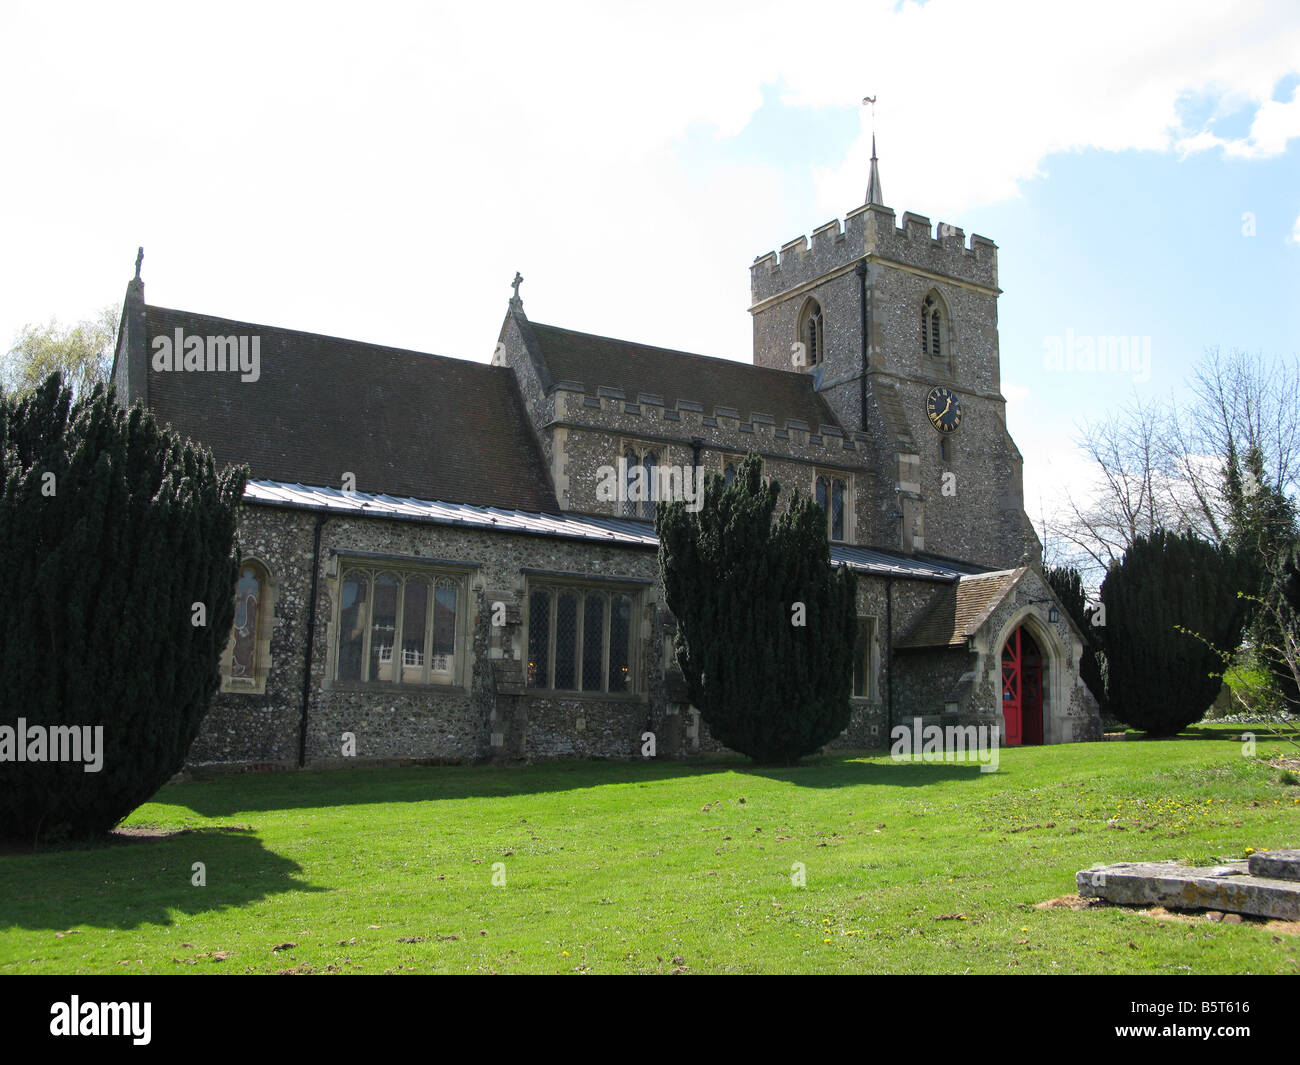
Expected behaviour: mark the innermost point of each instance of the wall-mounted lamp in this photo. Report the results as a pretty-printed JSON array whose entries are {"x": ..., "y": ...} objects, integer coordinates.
[{"x": 1053, "y": 615}]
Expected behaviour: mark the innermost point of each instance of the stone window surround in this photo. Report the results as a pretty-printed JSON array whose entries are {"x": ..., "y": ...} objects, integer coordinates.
[
  {"x": 634, "y": 588},
  {"x": 267, "y": 594},
  {"x": 404, "y": 567}
]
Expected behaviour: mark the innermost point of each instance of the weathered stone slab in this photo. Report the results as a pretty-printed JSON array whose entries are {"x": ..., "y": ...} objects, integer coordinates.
[
  {"x": 1277, "y": 865},
  {"x": 1230, "y": 887}
]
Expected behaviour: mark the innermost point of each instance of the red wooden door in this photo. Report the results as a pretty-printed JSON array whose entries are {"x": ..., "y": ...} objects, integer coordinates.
[
  {"x": 1031, "y": 688},
  {"x": 1011, "y": 690}
]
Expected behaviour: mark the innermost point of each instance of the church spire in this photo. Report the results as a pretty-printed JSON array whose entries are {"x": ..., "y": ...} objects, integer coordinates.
[{"x": 873, "y": 180}]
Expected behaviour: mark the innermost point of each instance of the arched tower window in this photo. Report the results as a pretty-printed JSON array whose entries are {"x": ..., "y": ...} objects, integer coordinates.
[
  {"x": 810, "y": 343},
  {"x": 934, "y": 325}
]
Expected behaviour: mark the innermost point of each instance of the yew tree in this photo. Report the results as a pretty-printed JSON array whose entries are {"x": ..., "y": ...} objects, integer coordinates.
[
  {"x": 120, "y": 557},
  {"x": 766, "y": 626}
]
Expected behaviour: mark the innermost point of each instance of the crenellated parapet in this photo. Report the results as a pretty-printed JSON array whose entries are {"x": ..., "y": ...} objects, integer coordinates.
[
  {"x": 871, "y": 231},
  {"x": 607, "y": 409}
]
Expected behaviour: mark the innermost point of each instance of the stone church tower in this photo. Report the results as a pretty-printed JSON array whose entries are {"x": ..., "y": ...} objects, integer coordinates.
[{"x": 881, "y": 316}]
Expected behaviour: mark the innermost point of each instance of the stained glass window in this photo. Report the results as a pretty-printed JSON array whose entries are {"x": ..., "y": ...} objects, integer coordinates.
[{"x": 248, "y": 595}]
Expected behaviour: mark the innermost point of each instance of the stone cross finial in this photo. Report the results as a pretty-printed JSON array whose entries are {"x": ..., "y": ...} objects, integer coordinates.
[
  {"x": 519, "y": 280},
  {"x": 139, "y": 258}
]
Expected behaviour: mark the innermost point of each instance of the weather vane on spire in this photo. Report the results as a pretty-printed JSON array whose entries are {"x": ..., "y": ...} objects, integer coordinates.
[{"x": 874, "y": 194}]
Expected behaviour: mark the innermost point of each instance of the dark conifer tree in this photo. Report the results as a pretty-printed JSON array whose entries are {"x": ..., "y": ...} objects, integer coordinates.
[
  {"x": 738, "y": 584},
  {"x": 1161, "y": 679},
  {"x": 117, "y": 538}
]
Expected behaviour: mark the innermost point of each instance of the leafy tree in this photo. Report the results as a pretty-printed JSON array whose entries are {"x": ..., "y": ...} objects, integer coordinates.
[
  {"x": 765, "y": 626},
  {"x": 82, "y": 353},
  {"x": 117, "y": 539},
  {"x": 1261, "y": 527},
  {"x": 1277, "y": 626},
  {"x": 1161, "y": 678},
  {"x": 1067, "y": 583}
]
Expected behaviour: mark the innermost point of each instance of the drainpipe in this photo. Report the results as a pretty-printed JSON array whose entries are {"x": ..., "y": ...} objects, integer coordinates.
[
  {"x": 311, "y": 640},
  {"x": 889, "y": 661},
  {"x": 861, "y": 271}
]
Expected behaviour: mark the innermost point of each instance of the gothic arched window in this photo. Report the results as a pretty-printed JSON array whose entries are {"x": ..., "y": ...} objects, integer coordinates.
[{"x": 811, "y": 339}]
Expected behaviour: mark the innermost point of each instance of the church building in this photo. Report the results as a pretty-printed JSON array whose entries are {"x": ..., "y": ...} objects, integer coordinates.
[{"x": 434, "y": 569}]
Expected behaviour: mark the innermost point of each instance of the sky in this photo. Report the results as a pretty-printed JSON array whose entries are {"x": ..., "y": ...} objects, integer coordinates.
[{"x": 381, "y": 172}]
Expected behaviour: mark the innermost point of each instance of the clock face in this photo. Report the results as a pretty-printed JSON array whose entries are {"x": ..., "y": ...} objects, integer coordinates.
[{"x": 943, "y": 409}]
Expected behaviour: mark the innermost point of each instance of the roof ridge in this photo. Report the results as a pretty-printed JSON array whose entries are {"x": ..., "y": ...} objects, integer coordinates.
[
  {"x": 679, "y": 351},
  {"x": 323, "y": 336}
]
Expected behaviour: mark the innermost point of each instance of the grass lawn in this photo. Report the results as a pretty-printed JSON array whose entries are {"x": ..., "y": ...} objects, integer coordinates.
[{"x": 653, "y": 867}]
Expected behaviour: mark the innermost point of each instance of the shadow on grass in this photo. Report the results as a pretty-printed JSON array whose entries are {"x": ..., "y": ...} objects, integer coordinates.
[
  {"x": 247, "y": 793},
  {"x": 1222, "y": 732},
  {"x": 126, "y": 882}
]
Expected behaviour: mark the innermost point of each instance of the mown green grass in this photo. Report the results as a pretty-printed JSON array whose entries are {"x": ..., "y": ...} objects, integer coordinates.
[{"x": 654, "y": 867}]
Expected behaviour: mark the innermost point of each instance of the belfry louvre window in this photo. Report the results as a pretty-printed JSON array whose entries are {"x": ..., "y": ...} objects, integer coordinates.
[
  {"x": 401, "y": 627},
  {"x": 932, "y": 327},
  {"x": 580, "y": 639},
  {"x": 811, "y": 336}
]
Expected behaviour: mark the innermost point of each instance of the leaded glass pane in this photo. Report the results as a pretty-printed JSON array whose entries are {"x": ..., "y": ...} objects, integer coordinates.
[
  {"x": 383, "y": 628},
  {"x": 353, "y": 618},
  {"x": 539, "y": 637},
  {"x": 837, "y": 509},
  {"x": 620, "y": 626},
  {"x": 415, "y": 615},
  {"x": 566, "y": 641},
  {"x": 593, "y": 641},
  {"x": 632, "y": 491},
  {"x": 445, "y": 600},
  {"x": 650, "y": 487}
]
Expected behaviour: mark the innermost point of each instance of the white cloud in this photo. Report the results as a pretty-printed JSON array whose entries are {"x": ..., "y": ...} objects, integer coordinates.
[
  {"x": 383, "y": 175},
  {"x": 1295, "y": 231}
]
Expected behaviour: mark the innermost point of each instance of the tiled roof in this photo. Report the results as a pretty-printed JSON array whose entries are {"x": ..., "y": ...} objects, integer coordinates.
[
  {"x": 633, "y": 369},
  {"x": 626, "y": 531},
  {"x": 960, "y": 610},
  {"x": 402, "y": 422}
]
